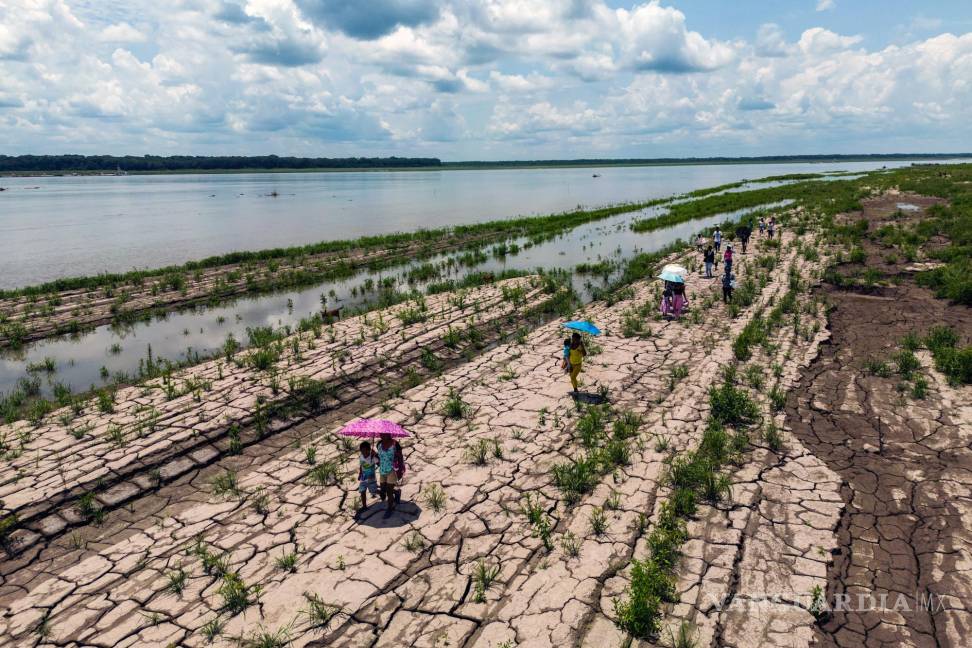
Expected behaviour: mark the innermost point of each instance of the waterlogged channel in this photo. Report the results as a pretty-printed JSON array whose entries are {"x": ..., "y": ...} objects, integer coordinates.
[{"x": 108, "y": 353}]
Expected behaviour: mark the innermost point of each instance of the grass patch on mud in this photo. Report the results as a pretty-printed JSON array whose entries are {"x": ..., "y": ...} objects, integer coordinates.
[{"x": 694, "y": 477}]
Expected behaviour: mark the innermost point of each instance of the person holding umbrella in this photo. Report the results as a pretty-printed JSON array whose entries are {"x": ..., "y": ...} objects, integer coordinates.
[
  {"x": 387, "y": 456},
  {"x": 673, "y": 297},
  {"x": 577, "y": 349},
  {"x": 391, "y": 469},
  {"x": 577, "y": 354}
]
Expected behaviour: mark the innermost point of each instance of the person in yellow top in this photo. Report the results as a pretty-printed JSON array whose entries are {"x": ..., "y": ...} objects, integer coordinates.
[{"x": 577, "y": 353}]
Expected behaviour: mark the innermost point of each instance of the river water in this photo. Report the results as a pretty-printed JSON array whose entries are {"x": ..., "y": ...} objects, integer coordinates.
[
  {"x": 52, "y": 227},
  {"x": 116, "y": 223}
]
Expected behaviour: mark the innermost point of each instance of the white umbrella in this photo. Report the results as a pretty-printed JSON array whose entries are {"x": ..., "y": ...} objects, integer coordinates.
[{"x": 674, "y": 268}]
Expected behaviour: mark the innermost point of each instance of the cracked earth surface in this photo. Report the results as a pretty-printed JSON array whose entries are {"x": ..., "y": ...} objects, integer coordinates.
[
  {"x": 164, "y": 429},
  {"x": 905, "y": 467},
  {"x": 746, "y": 571},
  {"x": 904, "y": 564}
]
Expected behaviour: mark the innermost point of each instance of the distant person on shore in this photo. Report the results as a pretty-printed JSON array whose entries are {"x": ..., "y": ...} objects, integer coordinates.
[
  {"x": 772, "y": 226},
  {"x": 762, "y": 225},
  {"x": 709, "y": 259},
  {"x": 717, "y": 239},
  {"x": 577, "y": 353},
  {"x": 728, "y": 284},
  {"x": 699, "y": 242}
]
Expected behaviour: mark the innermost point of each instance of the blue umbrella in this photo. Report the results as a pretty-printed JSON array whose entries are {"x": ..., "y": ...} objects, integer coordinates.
[
  {"x": 583, "y": 327},
  {"x": 671, "y": 276}
]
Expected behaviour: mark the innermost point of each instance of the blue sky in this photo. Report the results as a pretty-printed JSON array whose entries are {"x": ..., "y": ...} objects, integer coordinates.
[{"x": 485, "y": 79}]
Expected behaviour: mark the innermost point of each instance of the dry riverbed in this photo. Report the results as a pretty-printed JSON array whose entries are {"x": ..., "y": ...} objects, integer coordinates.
[{"x": 217, "y": 505}]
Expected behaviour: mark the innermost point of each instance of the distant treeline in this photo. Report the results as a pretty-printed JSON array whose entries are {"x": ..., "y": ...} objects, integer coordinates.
[
  {"x": 763, "y": 159},
  {"x": 158, "y": 163},
  {"x": 22, "y": 164}
]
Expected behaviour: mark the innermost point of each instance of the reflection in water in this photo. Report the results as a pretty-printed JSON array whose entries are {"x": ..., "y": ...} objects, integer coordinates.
[{"x": 87, "y": 361}]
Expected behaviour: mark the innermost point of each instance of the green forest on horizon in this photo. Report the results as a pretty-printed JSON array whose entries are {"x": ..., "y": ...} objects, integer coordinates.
[{"x": 23, "y": 164}]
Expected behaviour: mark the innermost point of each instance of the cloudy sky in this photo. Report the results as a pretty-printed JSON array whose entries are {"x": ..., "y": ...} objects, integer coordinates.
[{"x": 485, "y": 79}]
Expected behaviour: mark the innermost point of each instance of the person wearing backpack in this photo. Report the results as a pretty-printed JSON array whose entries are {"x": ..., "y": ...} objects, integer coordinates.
[{"x": 391, "y": 470}]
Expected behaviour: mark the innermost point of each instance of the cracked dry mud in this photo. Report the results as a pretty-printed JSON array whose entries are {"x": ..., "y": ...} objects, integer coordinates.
[
  {"x": 903, "y": 566},
  {"x": 744, "y": 579}
]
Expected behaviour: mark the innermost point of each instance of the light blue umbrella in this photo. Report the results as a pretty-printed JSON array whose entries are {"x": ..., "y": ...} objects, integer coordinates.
[
  {"x": 582, "y": 326},
  {"x": 671, "y": 276}
]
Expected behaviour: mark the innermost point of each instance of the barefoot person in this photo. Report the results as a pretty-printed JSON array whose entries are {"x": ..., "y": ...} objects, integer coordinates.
[
  {"x": 391, "y": 468},
  {"x": 577, "y": 353}
]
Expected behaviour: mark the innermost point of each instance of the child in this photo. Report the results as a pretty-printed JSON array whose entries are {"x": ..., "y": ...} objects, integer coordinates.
[
  {"x": 762, "y": 225},
  {"x": 367, "y": 481},
  {"x": 577, "y": 353},
  {"x": 565, "y": 363}
]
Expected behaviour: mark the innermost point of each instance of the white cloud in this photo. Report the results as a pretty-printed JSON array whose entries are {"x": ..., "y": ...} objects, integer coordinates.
[
  {"x": 826, "y": 5},
  {"x": 770, "y": 41},
  {"x": 121, "y": 33},
  {"x": 655, "y": 38},
  {"x": 517, "y": 78},
  {"x": 823, "y": 41}
]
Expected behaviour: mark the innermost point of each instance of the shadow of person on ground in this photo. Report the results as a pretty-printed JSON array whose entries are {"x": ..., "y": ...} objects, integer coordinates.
[
  {"x": 588, "y": 398},
  {"x": 404, "y": 514}
]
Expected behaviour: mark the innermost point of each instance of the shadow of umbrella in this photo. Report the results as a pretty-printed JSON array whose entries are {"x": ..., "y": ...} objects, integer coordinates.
[
  {"x": 588, "y": 398},
  {"x": 403, "y": 515}
]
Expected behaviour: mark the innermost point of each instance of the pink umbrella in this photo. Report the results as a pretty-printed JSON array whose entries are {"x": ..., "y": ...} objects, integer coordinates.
[{"x": 370, "y": 428}]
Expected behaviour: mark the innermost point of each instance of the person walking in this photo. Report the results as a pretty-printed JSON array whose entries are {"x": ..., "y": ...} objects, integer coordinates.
[
  {"x": 762, "y": 225},
  {"x": 709, "y": 259},
  {"x": 771, "y": 226},
  {"x": 678, "y": 299},
  {"x": 717, "y": 239},
  {"x": 391, "y": 469},
  {"x": 577, "y": 354},
  {"x": 727, "y": 259},
  {"x": 666, "y": 303},
  {"x": 728, "y": 283},
  {"x": 367, "y": 480}
]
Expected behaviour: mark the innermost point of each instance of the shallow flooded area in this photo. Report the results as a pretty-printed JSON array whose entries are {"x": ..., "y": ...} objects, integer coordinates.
[
  {"x": 54, "y": 227},
  {"x": 101, "y": 356}
]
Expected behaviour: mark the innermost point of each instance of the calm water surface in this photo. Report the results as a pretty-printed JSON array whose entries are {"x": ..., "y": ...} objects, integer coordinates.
[
  {"x": 81, "y": 362},
  {"x": 89, "y": 224},
  {"x": 69, "y": 226}
]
